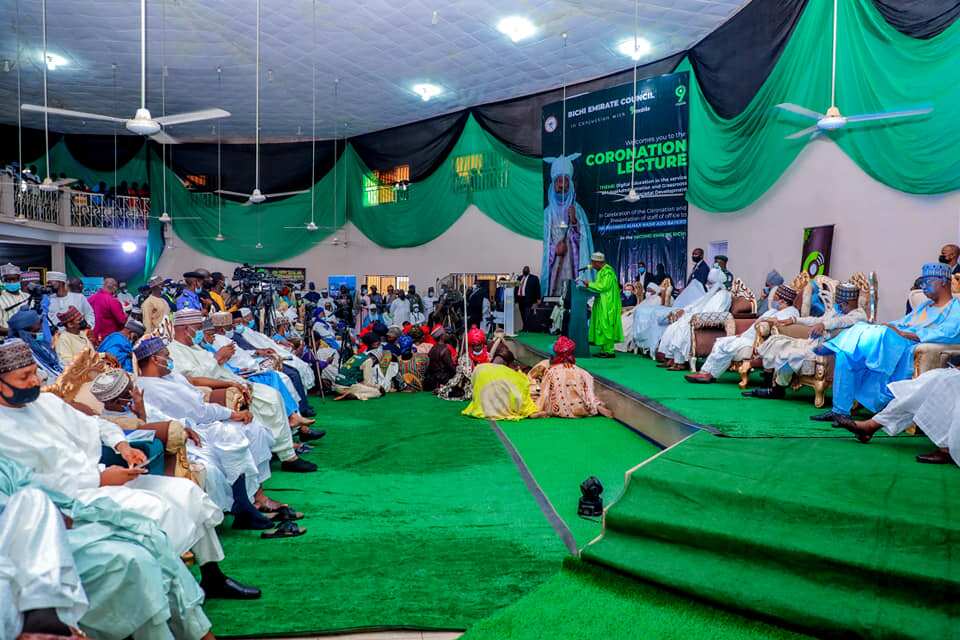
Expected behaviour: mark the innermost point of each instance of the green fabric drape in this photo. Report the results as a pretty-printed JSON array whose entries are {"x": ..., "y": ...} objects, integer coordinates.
[
  {"x": 734, "y": 161},
  {"x": 62, "y": 161}
]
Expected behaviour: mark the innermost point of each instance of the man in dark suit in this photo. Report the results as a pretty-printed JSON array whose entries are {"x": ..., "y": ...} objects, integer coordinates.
[
  {"x": 528, "y": 292},
  {"x": 700, "y": 270}
]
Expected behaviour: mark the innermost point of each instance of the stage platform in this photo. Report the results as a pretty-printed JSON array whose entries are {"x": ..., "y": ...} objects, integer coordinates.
[{"x": 792, "y": 522}]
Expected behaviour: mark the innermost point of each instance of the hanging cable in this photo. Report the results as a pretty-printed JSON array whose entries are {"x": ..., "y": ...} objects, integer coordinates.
[
  {"x": 46, "y": 121},
  {"x": 313, "y": 135}
]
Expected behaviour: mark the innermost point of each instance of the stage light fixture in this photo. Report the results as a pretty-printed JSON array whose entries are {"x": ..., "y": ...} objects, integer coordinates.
[
  {"x": 427, "y": 91},
  {"x": 634, "y": 50},
  {"x": 591, "y": 500},
  {"x": 516, "y": 28},
  {"x": 128, "y": 247}
]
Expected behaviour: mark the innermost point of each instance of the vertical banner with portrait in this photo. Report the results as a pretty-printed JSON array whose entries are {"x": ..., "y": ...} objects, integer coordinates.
[{"x": 591, "y": 203}]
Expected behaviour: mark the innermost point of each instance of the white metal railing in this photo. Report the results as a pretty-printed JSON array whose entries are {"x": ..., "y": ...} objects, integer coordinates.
[
  {"x": 32, "y": 203},
  {"x": 100, "y": 211}
]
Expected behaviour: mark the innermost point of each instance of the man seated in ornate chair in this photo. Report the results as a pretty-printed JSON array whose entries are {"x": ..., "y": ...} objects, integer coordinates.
[
  {"x": 786, "y": 354},
  {"x": 740, "y": 347},
  {"x": 870, "y": 356}
]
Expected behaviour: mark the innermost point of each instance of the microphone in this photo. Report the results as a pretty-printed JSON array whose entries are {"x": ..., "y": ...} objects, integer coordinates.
[{"x": 582, "y": 269}]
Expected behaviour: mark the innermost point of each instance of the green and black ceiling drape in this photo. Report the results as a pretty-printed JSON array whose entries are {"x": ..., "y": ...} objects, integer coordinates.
[{"x": 891, "y": 54}]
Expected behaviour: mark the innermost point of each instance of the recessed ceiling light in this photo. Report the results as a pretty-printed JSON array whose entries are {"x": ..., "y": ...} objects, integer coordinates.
[
  {"x": 54, "y": 61},
  {"x": 128, "y": 247},
  {"x": 427, "y": 91},
  {"x": 516, "y": 28},
  {"x": 634, "y": 50}
]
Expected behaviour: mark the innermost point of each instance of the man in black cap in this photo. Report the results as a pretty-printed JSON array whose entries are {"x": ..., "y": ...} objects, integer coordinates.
[{"x": 190, "y": 298}]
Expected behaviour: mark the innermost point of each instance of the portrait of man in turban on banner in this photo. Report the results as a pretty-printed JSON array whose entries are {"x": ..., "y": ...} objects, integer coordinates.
[{"x": 569, "y": 240}]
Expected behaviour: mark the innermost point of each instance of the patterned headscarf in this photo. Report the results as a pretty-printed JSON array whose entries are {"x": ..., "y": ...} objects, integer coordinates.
[
  {"x": 563, "y": 350},
  {"x": 69, "y": 316}
]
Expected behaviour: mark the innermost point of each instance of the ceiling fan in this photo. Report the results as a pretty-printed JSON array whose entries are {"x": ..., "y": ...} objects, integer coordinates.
[
  {"x": 833, "y": 119},
  {"x": 258, "y": 197},
  {"x": 142, "y": 123}
]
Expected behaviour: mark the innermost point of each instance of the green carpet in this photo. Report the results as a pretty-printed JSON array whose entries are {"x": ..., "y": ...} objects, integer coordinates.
[
  {"x": 418, "y": 517},
  {"x": 823, "y": 534},
  {"x": 584, "y": 602},
  {"x": 718, "y": 405},
  {"x": 562, "y": 453}
]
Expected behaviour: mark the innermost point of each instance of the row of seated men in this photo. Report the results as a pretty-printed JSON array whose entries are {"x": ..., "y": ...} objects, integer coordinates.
[
  {"x": 873, "y": 365},
  {"x": 106, "y": 485}
]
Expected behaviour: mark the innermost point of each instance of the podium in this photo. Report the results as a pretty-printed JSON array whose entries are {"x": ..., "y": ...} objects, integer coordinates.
[
  {"x": 578, "y": 318},
  {"x": 510, "y": 318}
]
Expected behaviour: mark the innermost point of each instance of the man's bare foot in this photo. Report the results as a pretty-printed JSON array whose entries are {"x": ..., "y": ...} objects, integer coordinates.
[{"x": 602, "y": 410}]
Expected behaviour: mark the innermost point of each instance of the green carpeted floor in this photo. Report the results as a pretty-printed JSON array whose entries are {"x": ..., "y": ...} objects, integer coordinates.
[
  {"x": 718, "y": 405},
  {"x": 823, "y": 534},
  {"x": 418, "y": 518},
  {"x": 585, "y": 602}
]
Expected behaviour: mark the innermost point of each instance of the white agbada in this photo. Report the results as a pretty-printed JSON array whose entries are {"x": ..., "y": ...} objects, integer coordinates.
[
  {"x": 677, "y": 338},
  {"x": 267, "y": 405},
  {"x": 62, "y": 447},
  {"x": 260, "y": 341},
  {"x": 930, "y": 401},
  {"x": 37, "y": 570},
  {"x": 729, "y": 348},
  {"x": 243, "y": 359},
  {"x": 645, "y": 321},
  {"x": 60, "y": 305},
  {"x": 400, "y": 311},
  {"x": 786, "y": 356}
]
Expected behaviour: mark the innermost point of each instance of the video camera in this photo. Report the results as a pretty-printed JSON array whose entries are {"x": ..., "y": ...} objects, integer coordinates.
[{"x": 37, "y": 291}]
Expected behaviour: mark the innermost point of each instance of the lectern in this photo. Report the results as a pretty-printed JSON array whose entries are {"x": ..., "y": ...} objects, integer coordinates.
[{"x": 579, "y": 295}]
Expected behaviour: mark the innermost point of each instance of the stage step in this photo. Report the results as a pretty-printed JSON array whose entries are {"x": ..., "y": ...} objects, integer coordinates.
[{"x": 808, "y": 532}]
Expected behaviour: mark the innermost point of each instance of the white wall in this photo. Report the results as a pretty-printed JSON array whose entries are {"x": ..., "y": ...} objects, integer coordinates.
[
  {"x": 877, "y": 228},
  {"x": 473, "y": 244}
]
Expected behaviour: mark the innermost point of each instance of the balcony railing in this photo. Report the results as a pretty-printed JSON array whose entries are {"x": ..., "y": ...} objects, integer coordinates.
[
  {"x": 98, "y": 211},
  {"x": 34, "y": 204}
]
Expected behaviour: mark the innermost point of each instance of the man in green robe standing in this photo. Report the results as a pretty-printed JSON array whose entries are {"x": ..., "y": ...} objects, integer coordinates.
[{"x": 605, "y": 327}]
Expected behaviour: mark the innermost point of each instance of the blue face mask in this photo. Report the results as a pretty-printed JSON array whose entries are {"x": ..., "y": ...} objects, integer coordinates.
[
  {"x": 239, "y": 328},
  {"x": 12, "y": 287},
  {"x": 197, "y": 337},
  {"x": 250, "y": 324},
  {"x": 169, "y": 364},
  {"x": 642, "y": 270},
  {"x": 228, "y": 333}
]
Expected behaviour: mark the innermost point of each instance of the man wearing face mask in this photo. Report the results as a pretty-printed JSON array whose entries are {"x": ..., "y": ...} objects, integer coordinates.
[
  {"x": 774, "y": 280},
  {"x": 190, "y": 297},
  {"x": 871, "y": 356},
  {"x": 12, "y": 298},
  {"x": 63, "y": 299},
  {"x": 700, "y": 268},
  {"x": 62, "y": 447},
  {"x": 120, "y": 343},
  {"x": 71, "y": 339},
  {"x": 26, "y": 324},
  {"x": 950, "y": 256},
  {"x": 154, "y": 307},
  {"x": 784, "y": 356},
  {"x": 528, "y": 292},
  {"x": 720, "y": 262}
]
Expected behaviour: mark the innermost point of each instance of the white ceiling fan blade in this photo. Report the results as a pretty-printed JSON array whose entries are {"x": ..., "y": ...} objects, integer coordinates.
[
  {"x": 285, "y": 193},
  {"x": 803, "y": 133},
  {"x": 800, "y": 111},
  {"x": 69, "y": 113},
  {"x": 237, "y": 194},
  {"x": 889, "y": 115},
  {"x": 192, "y": 116},
  {"x": 162, "y": 137}
]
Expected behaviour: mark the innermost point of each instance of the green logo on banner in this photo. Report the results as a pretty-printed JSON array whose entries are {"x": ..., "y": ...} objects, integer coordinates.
[
  {"x": 681, "y": 93},
  {"x": 813, "y": 264}
]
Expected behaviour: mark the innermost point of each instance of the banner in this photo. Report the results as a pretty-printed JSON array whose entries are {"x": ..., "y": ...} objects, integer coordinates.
[
  {"x": 605, "y": 190},
  {"x": 817, "y": 244},
  {"x": 294, "y": 276}
]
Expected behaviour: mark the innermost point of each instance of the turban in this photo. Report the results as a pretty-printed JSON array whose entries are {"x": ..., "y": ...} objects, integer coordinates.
[
  {"x": 847, "y": 291},
  {"x": 23, "y": 320},
  {"x": 416, "y": 333},
  {"x": 221, "y": 319},
  {"x": 476, "y": 336},
  {"x": 405, "y": 344},
  {"x": 596, "y": 256},
  {"x": 110, "y": 385},
  {"x": 135, "y": 326},
  {"x": 936, "y": 270},
  {"x": 563, "y": 350},
  {"x": 69, "y": 315},
  {"x": 9, "y": 269},
  {"x": 148, "y": 347},
  {"x": 56, "y": 276},
  {"x": 186, "y": 317},
  {"x": 14, "y": 354},
  {"x": 786, "y": 293}
]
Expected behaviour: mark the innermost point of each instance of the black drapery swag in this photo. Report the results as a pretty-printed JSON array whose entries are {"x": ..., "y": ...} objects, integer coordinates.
[
  {"x": 919, "y": 18},
  {"x": 96, "y": 151}
]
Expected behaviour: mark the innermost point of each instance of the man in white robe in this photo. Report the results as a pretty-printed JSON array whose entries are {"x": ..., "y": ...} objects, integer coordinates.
[
  {"x": 201, "y": 368},
  {"x": 63, "y": 299},
  {"x": 931, "y": 402},
  {"x": 677, "y": 339},
  {"x": 729, "y": 348},
  {"x": 62, "y": 447},
  {"x": 261, "y": 341},
  {"x": 784, "y": 356}
]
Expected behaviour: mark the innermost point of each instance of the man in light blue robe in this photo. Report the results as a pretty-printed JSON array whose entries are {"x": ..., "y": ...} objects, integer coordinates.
[
  {"x": 120, "y": 343},
  {"x": 870, "y": 356},
  {"x": 133, "y": 582},
  {"x": 568, "y": 240}
]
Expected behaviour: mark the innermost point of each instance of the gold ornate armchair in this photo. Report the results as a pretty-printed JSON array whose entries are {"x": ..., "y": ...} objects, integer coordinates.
[{"x": 706, "y": 328}]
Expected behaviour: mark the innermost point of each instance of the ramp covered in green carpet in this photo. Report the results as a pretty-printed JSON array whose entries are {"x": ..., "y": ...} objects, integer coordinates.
[{"x": 822, "y": 534}]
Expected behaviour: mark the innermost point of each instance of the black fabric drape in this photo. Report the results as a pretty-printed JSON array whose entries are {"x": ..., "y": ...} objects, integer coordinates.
[
  {"x": 423, "y": 145},
  {"x": 108, "y": 261},
  {"x": 734, "y": 61},
  {"x": 95, "y": 151},
  {"x": 516, "y": 122},
  {"x": 25, "y": 255},
  {"x": 919, "y": 18},
  {"x": 32, "y": 140},
  {"x": 283, "y": 166}
]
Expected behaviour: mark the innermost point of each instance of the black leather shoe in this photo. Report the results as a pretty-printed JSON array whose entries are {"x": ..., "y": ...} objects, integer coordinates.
[
  {"x": 827, "y": 416},
  {"x": 311, "y": 434},
  {"x": 766, "y": 393},
  {"x": 298, "y": 466},
  {"x": 935, "y": 457},
  {"x": 230, "y": 589},
  {"x": 308, "y": 412}
]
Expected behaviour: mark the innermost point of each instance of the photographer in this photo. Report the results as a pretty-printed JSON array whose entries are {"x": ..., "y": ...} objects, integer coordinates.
[
  {"x": 12, "y": 298},
  {"x": 62, "y": 299}
]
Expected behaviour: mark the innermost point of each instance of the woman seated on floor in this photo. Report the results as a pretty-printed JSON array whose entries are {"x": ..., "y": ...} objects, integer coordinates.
[
  {"x": 500, "y": 393},
  {"x": 566, "y": 390}
]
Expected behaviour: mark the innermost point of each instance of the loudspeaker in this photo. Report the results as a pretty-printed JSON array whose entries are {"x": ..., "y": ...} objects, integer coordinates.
[{"x": 538, "y": 318}]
